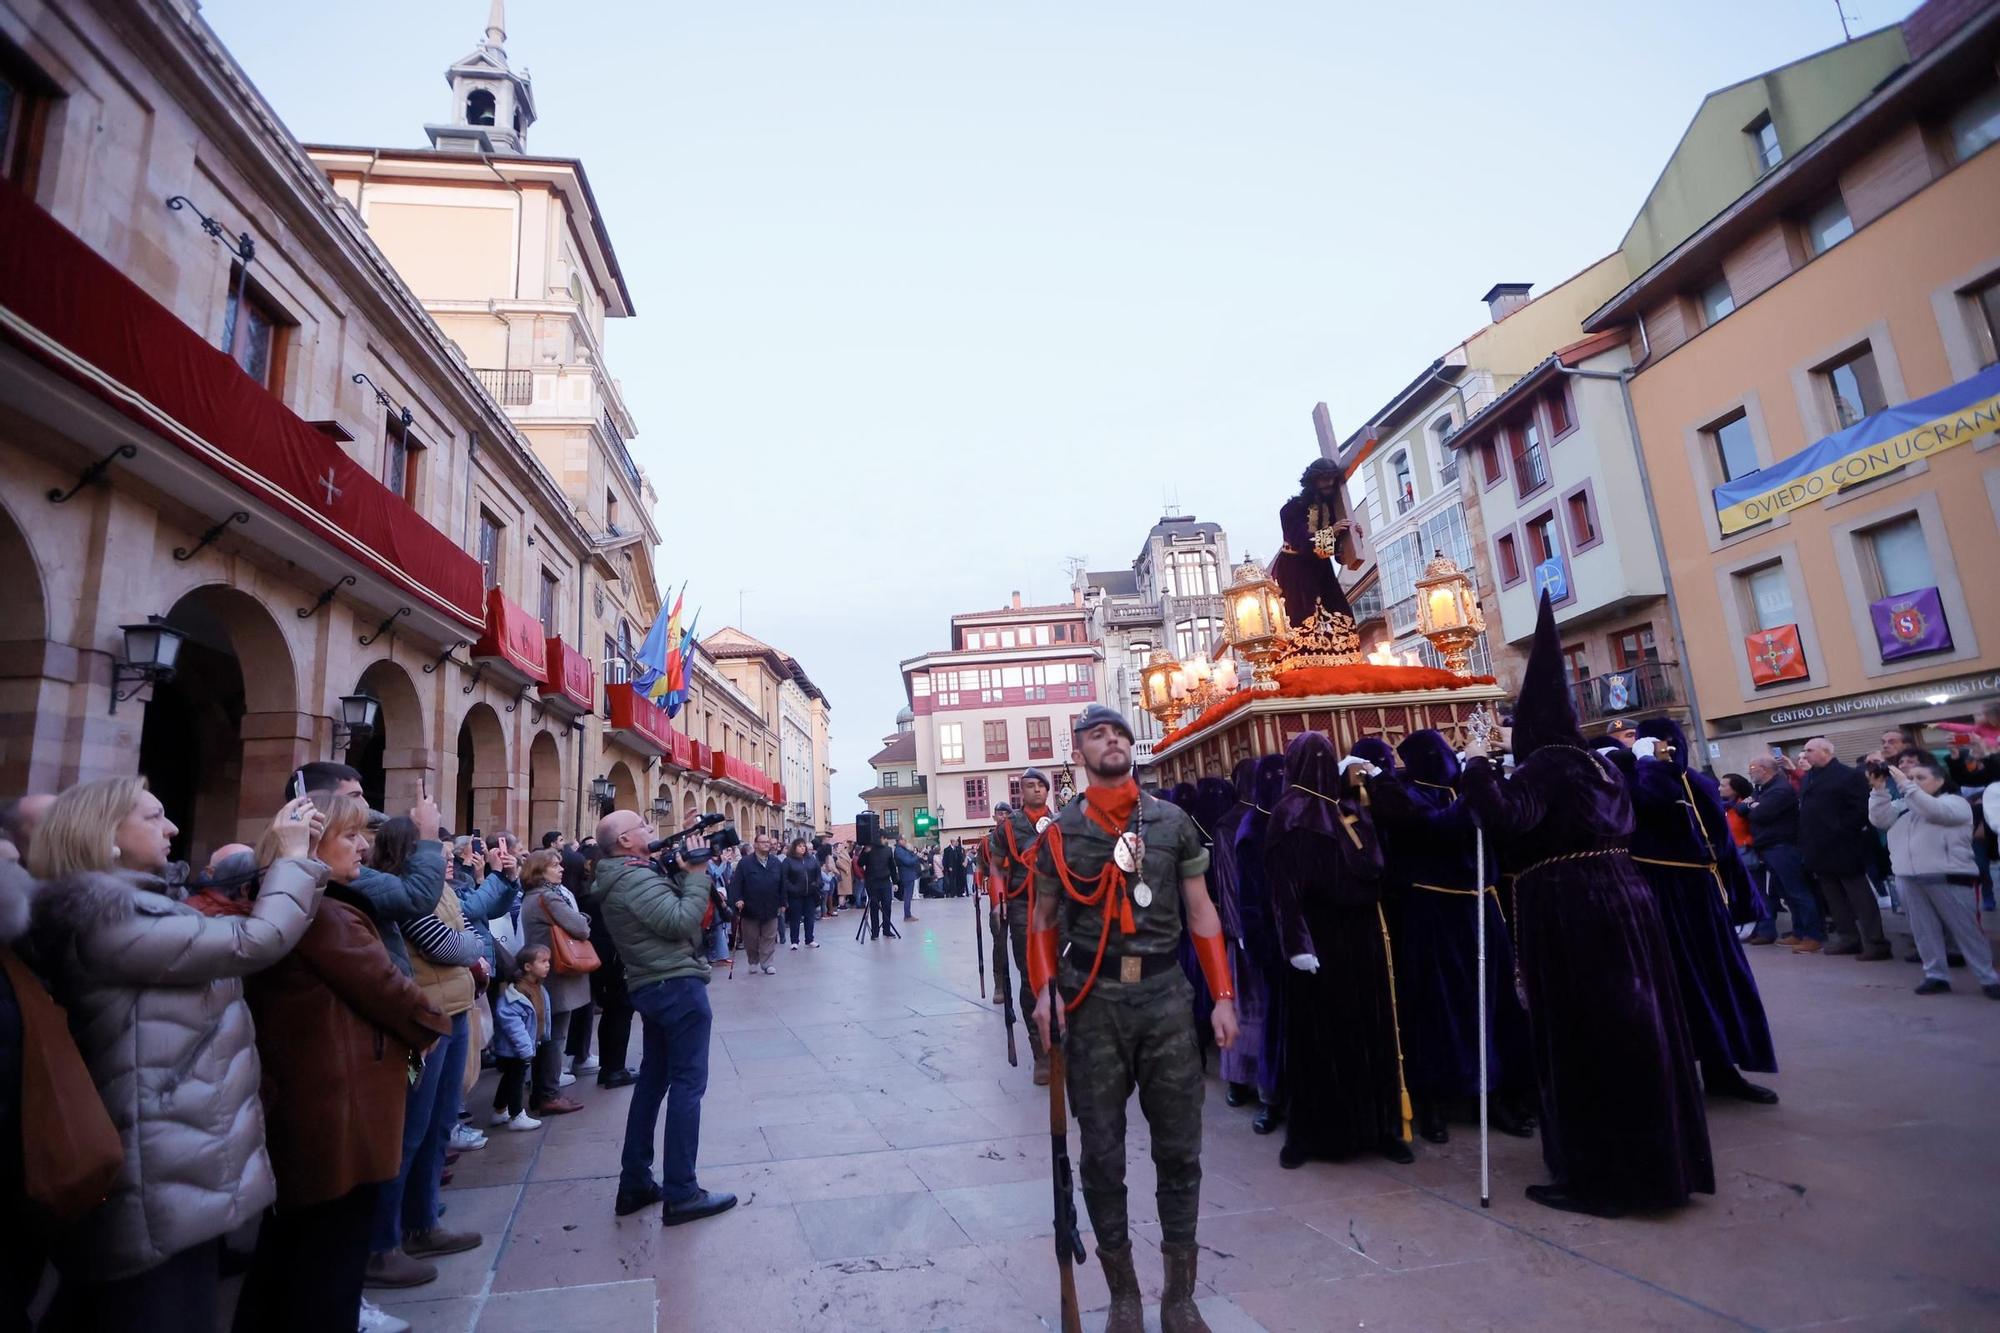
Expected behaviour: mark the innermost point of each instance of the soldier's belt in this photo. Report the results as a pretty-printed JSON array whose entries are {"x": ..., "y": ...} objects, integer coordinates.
[{"x": 1125, "y": 967}]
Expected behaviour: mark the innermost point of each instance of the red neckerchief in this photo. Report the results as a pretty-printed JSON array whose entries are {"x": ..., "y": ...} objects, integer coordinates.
[{"x": 1111, "y": 807}]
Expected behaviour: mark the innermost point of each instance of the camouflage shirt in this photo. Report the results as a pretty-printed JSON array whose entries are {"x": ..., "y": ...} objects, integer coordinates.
[
  {"x": 1014, "y": 870},
  {"x": 1174, "y": 852}
]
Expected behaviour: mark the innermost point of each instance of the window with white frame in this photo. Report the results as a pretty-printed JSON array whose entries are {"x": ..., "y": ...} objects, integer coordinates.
[
  {"x": 1767, "y": 596},
  {"x": 951, "y": 743},
  {"x": 1852, "y": 386}
]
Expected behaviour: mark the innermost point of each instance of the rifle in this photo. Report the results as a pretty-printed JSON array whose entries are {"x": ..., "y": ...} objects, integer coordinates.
[
  {"x": 1003, "y": 980},
  {"x": 1069, "y": 1241},
  {"x": 979, "y": 941}
]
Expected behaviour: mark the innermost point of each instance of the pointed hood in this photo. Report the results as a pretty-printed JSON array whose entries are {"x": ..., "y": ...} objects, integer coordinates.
[
  {"x": 1668, "y": 730},
  {"x": 1312, "y": 775},
  {"x": 1213, "y": 798},
  {"x": 1544, "y": 714},
  {"x": 1377, "y": 752},
  {"x": 1428, "y": 758},
  {"x": 1182, "y": 795}
]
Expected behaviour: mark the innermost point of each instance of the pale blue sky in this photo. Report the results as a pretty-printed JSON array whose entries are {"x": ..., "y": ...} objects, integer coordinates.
[{"x": 935, "y": 293}]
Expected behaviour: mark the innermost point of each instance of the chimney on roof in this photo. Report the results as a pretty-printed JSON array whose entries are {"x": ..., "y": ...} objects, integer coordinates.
[
  {"x": 1017, "y": 601},
  {"x": 1076, "y": 598},
  {"x": 1506, "y": 297}
]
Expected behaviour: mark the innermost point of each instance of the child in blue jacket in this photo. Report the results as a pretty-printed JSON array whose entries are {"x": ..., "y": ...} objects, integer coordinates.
[{"x": 521, "y": 1023}]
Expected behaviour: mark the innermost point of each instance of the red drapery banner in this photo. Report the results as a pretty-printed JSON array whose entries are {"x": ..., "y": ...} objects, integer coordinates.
[
  {"x": 633, "y": 712},
  {"x": 571, "y": 678},
  {"x": 136, "y": 348},
  {"x": 514, "y": 637},
  {"x": 681, "y": 755},
  {"x": 1775, "y": 654}
]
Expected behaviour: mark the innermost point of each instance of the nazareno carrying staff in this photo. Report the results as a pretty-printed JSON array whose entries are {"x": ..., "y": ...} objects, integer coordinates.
[
  {"x": 1013, "y": 843},
  {"x": 1114, "y": 875}
]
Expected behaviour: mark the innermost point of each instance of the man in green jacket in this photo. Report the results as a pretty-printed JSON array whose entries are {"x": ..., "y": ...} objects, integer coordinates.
[{"x": 655, "y": 920}]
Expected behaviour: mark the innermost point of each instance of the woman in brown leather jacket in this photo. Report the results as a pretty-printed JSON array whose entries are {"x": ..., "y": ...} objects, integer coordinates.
[{"x": 337, "y": 1024}]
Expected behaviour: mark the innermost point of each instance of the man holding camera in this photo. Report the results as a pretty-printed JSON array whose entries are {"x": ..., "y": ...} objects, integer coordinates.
[{"x": 656, "y": 919}]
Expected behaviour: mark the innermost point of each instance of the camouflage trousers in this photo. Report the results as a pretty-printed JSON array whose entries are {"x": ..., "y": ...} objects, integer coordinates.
[{"x": 1139, "y": 1035}]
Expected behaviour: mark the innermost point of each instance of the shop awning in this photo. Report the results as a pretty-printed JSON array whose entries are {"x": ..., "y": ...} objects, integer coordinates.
[{"x": 70, "y": 308}]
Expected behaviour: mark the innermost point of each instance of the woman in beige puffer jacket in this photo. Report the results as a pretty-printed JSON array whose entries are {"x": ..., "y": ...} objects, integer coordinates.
[{"x": 155, "y": 999}]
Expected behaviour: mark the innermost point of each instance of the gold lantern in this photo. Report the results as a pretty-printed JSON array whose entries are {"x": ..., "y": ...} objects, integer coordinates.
[
  {"x": 1255, "y": 625},
  {"x": 1159, "y": 680},
  {"x": 1448, "y": 612}
]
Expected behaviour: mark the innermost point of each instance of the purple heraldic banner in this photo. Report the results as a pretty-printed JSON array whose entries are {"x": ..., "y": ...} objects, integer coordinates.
[{"x": 1910, "y": 623}]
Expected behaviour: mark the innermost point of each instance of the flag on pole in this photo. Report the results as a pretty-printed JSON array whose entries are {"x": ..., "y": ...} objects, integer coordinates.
[
  {"x": 681, "y": 663},
  {"x": 670, "y": 642},
  {"x": 650, "y": 661}
]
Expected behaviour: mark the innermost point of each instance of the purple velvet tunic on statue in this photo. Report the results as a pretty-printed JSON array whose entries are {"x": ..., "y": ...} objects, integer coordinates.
[
  {"x": 1622, "y": 1117},
  {"x": 1428, "y": 838},
  {"x": 1304, "y": 577},
  {"x": 1344, "y": 1084},
  {"x": 1725, "y": 1013}
]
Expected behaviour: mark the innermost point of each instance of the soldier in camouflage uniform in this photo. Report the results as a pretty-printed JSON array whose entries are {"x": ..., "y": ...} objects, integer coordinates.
[
  {"x": 1120, "y": 869},
  {"x": 1002, "y": 813},
  {"x": 1013, "y": 843}
]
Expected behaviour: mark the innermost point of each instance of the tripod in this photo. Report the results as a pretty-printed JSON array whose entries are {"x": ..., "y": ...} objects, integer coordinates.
[{"x": 868, "y": 912}]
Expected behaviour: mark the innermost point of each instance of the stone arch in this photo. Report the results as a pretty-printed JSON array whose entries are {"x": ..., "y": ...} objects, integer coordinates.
[
  {"x": 624, "y": 787},
  {"x": 221, "y": 739},
  {"x": 712, "y": 808},
  {"x": 479, "y": 107},
  {"x": 485, "y": 773},
  {"x": 32, "y": 711},
  {"x": 396, "y": 760},
  {"x": 545, "y": 788},
  {"x": 688, "y": 808}
]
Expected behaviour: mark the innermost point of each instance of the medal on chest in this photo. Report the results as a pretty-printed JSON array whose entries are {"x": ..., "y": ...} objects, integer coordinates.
[
  {"x": 1128, "y": 851},
  {"x": 1043, "y": 823},
  {"x": 1142, "y": 894}
]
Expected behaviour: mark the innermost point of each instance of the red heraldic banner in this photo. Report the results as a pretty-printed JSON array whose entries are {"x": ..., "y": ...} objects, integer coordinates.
[
  {"x": 1775, "y": 655},
  {"x": 571, "y": 678},
  {"x": 515, "y": 637},
  {"x": 634, "y": 712}
]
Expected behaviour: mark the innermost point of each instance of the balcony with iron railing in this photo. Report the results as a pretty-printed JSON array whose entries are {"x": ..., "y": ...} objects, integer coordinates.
[
  {"x": 1649, "y": 687},
  {"x": 1142, "y": 613},
  {"x": 510, "y": 388}
]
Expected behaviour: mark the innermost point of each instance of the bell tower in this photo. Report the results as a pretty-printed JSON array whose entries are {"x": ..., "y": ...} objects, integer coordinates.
[{"x": 492, "y": 104}]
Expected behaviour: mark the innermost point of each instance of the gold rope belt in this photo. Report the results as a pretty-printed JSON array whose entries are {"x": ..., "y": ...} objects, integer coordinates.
[
  {"x": 1395, "y": 1026},
  {"x": 1463, "y": 893},
  {"x": 1567, "y": 856},
  {"x": 1710, "y": 866}
]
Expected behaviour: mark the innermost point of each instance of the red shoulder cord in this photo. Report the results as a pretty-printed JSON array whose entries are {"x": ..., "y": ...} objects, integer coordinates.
[{"x": 1109, "y": 895}]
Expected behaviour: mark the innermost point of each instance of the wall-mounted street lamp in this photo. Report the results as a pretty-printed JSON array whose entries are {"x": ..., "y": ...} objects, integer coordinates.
[
  {"x": 603, "y": 793},
  {"x": 358, "y": 715},
  {"x": 151, "y": 652}
]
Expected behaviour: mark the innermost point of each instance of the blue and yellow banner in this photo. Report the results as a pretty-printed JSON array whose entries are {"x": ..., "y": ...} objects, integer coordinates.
[{"x": 1871, "y": 447}]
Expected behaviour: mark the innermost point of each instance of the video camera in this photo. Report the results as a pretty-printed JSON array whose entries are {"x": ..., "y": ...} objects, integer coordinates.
[{"x": 721, "y": 840}]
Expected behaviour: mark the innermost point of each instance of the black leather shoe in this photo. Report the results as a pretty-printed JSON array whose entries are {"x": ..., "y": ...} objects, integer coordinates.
[
  {"x": 1511, "y": 1122},
  {"x": 1555, "y": 1196},
  {"x": 617, "y": 1078},
  {"x": 629, "y": 1204},
  {"x": 1743, "y": 1090},
  {"x": 1291, "y": 1158},
  {"x": 1933, "y": 986},
  {"x": 1268, "y": 1119},
  {"x": 705, "y": 1203},
  {"x": 1237, "y": 1095},
  {"x": 1430, "y": 1124},
  {"x": 1397, "y": 1151}
]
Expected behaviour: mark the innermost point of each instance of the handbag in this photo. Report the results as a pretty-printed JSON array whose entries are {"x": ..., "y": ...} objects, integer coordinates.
[
  {"x": 71, "y": 1151},
  {"x": 569, "y": 955}
]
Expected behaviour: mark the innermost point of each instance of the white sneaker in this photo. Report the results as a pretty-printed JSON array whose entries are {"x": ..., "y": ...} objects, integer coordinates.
[
  {"x": 770, "y": 971},
  {"x": 523, "y": 1122},
  {"x": 589, "y": 1065},
  {"x": 500, "y": 1118},
  {"x": 795, "y": 948},
  {"x": 467, "y": 1139},
  {"x": 374, "y": 1319},
  {"x": 815, "y": 944},
  {"x": 565, "y": 1080}
]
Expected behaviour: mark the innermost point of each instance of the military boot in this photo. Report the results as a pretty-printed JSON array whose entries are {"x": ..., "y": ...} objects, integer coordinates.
[
  {"x": 1127, "y": 1309},
  {"x": 1177, "y": 1310},
  {"x": 1041, "y": 1069}
]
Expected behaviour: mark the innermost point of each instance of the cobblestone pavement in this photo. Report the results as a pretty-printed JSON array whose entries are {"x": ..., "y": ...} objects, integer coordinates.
[{"x": 893, "y": 1172}]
